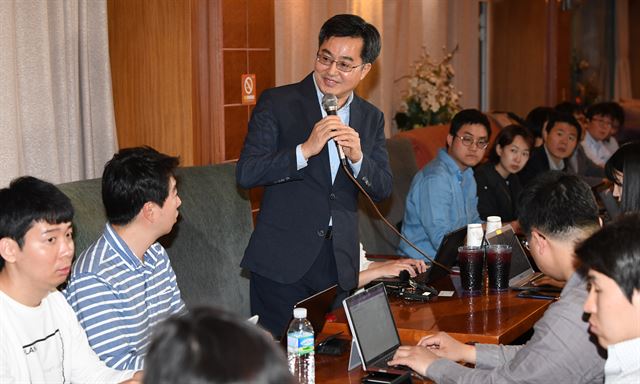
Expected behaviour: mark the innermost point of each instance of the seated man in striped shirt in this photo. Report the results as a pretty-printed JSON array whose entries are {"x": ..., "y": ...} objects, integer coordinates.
[{"x": 123, "y": 284}]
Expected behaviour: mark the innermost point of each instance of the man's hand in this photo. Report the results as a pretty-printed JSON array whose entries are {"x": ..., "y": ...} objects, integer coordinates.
[
  {"x": 331, "y": 127},
  {"x": 417, "y": 358},
  {"x": 443, "y": 345}
]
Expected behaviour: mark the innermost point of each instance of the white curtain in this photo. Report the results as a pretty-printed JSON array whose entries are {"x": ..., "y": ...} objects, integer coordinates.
[
  {"x": 56, "y": 106},
  {"x": 406, "y": 27}
]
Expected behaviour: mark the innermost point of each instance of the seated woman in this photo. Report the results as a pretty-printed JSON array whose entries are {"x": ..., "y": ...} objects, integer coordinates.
[
  {"x": 498, "y": 184},
  {"x": 623, "y": 169},
  {"x": 208, "y": 345}
]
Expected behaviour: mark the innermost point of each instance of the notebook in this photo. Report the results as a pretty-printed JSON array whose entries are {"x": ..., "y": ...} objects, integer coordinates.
[
  {"x": 317, "y": 306},
  {"x": 375, "y": 337},
  {"x": 447, "y": 254},
  {"x": 521, "y": 273}
]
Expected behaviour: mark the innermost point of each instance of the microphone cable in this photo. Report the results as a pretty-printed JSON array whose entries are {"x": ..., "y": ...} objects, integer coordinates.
[{"x": 393, "y": 228}]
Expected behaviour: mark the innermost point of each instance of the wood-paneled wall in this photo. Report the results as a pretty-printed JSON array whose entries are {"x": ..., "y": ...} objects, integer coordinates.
[
  {"x": 152, "y": 74},
  {"x": 248, "y": 47},
  {"x": 529, "y": 54},
  {"x": 176, "y": 71}
]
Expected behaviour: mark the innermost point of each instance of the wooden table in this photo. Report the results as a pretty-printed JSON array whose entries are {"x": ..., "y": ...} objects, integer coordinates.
[{"x": 489, "y": 318}]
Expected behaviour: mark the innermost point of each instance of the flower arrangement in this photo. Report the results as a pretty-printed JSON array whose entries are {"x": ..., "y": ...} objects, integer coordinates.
[
  {"x": 432, "y": 98},
  {"x": 583, "y": 81}
]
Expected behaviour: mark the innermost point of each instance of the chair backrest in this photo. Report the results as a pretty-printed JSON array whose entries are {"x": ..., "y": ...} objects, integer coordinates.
[
  {"x": 375, "y": 236},
  {"x": 206, "y": 244}
]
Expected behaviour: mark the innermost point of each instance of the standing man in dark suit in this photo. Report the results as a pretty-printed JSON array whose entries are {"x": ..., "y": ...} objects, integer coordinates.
[{"x": 306, "y": 235}]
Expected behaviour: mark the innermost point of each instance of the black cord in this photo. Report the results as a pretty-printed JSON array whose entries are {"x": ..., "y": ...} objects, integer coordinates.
[{"x": 393, "y": 228}]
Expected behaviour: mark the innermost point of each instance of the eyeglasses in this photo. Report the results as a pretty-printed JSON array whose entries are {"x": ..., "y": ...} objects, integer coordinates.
[
  {"x": 342, "y": 66},
  {"x": 602, "y": 121},
  {"x": 467, "y": 141}
]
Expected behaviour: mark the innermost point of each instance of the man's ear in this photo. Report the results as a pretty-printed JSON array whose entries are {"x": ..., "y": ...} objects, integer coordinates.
[
  {"x": 8, "y": 249},
  {"x": 449, "y": 140},
  {"x": 148, "y": 212},
  {"x": 541, "y": 243},
  {"x": 635, "y": 298}
]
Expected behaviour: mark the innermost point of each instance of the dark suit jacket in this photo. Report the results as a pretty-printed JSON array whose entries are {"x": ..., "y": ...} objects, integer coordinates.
[
  {"x": 537, "y": 164},
  {"x": 497, "y": 196},
  {"x": 297, "y": 205}
]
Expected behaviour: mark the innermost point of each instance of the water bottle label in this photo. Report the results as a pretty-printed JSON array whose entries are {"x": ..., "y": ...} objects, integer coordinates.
[{"x": 300, "y": 344}]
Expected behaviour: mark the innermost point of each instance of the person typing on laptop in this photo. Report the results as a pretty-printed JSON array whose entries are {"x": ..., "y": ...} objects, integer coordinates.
[{"x": 557, "y": 211}]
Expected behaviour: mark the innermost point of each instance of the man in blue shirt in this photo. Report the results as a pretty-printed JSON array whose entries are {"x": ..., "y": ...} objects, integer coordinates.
[
  {"x": 443, "y": 194},
  {"x": 123, "y": 284}
]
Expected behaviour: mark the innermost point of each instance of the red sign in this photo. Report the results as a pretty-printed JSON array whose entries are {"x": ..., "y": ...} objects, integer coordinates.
[{"x": 248, "y": 89}]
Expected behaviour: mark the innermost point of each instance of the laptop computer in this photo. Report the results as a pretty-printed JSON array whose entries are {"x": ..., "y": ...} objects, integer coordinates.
[
  {"x": 375, "y": 336},
  {"x": 521, "y": 272},
  {"x": 317, "y": 306}
]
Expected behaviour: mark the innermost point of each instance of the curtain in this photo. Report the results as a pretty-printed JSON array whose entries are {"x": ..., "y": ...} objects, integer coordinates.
[
  {"x": 56, "y": 106},
  {"x": 406, "y": 27}
]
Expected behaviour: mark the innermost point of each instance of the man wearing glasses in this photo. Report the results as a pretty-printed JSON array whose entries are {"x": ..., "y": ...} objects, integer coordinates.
[
  {"x": 443, "y": 195},
  {"x": 306, "y": 234},
  {"x": 600, "y": 127}
]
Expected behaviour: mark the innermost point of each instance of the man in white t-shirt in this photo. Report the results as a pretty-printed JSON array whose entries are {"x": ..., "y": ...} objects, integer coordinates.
[
  {"x": 40, "y": 338},
  {"x": 611, "y": 260}
]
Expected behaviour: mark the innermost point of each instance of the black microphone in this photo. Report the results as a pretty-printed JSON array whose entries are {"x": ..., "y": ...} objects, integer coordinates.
[{"x": 330, "y": 105}]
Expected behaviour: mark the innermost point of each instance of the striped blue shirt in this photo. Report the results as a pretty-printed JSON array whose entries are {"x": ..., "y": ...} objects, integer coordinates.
[{"x": 118, "y": 299}]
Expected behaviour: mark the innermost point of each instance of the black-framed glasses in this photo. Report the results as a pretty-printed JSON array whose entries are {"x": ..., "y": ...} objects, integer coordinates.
[
  {"x": 342, "y": 66},
  {"x": 467, "y": 141},
  {"x": 601, "y": 121}
]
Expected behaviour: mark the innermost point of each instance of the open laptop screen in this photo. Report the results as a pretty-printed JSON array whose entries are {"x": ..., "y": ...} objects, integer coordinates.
[{"x": 371, "y": 320}]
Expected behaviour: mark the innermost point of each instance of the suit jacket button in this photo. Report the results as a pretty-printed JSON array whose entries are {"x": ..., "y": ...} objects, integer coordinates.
[
  {"x": 321, "y": 232},
  {"x": 332, "y": 196}
]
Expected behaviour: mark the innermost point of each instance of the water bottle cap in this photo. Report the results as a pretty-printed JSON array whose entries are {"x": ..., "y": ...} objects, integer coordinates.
[{"x": 300, "y": 313}]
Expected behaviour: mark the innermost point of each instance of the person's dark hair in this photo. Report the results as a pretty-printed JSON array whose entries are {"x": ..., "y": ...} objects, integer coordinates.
[
  {"x": 602, "y": 109},
  {"x": 209, "y": 346},
  {"x": 626, "y": 160},
  {"x": 557, "y": 117},
  {"x": 506, "y": 137},
  {"x": 27, "y": 201},
  {"x": 353, "y": 26},
  {"x": 615, "y": 252},
  {"x": 569, "y": 108},
  {"x": 556, "y": 203},
  {"x": 133, "y": 177},
  {"x": 536, "y": 119},
  {"x": 469, "y": 116},
  {"x": 617, "y": 112}
]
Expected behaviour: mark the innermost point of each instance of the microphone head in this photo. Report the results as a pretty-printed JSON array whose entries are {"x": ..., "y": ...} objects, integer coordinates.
[
  {"x": 330, "y": 103},
  {"x": 404, "y": 276}
]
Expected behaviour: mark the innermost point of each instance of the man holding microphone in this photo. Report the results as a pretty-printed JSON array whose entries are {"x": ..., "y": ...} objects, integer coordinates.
[{"x": 306, "y": 235}]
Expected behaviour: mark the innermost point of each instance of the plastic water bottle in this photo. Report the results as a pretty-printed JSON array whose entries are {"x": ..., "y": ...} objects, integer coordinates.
[{"x": 300, "y": 344}]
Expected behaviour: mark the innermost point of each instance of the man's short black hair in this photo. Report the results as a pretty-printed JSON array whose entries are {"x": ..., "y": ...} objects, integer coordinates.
[
  {"x": 556, "y": 203},
  {"x": 569, "y": 108},
  {"x": 601, "y": 109},
  {"x": 469, "y": 116},
  {"x": 558, "y": 117},
  {"x": 133, "y": 177},
  {"x": 27, "y": 201},
  {"x": 207, "y": 345},
  {"x": 353, "y": 26},
  {"x": 615, "y": 252},
  {"x": 536, "y": 119}
]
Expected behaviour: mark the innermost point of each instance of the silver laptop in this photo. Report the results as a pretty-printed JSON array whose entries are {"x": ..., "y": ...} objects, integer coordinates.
[
  {"x": 521, "y": 273},
  {"x": 375, "y": 336}
]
